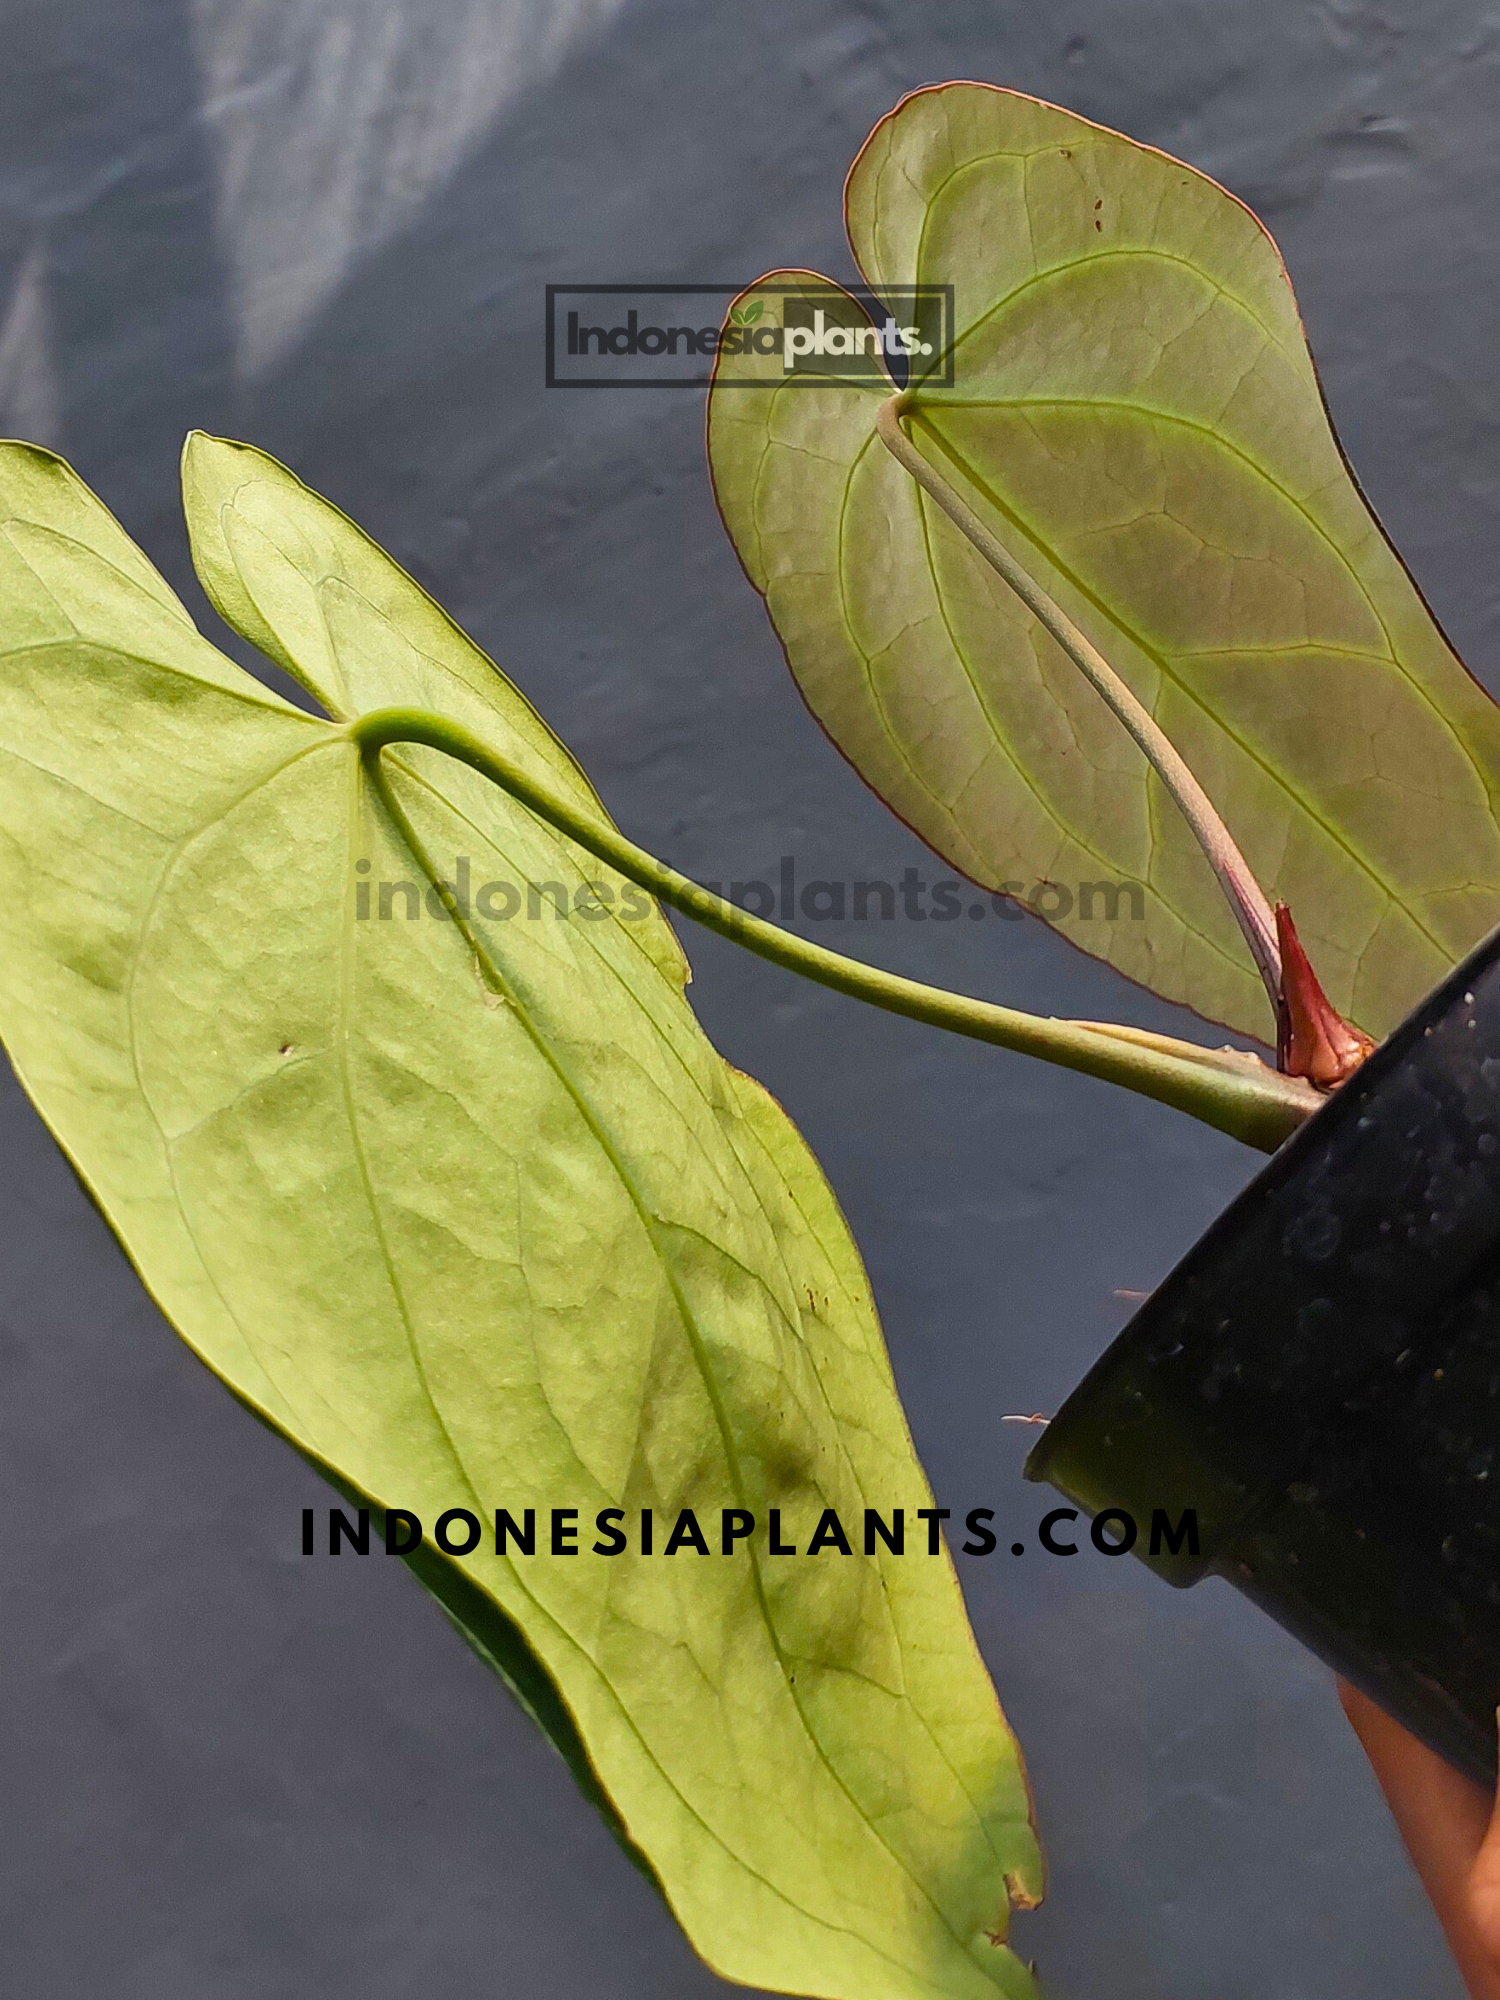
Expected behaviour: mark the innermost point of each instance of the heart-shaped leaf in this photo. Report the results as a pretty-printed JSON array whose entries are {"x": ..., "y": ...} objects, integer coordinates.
[
  {"x": 1135, "y": 414},
  {"x": 449, "y": 1188}
]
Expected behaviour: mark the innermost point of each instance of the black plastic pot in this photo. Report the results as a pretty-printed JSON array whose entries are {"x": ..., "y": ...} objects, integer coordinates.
[{"x": 1319, "y": 1379}]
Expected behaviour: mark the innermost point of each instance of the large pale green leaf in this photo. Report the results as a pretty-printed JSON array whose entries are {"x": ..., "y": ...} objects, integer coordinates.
[
  {"x": 473, "y": 1214},
  {"x": 1135, "y": 413}
]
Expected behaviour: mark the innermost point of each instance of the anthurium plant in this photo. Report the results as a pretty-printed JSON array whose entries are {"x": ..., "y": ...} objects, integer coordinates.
[{"x": 471, "y": 1212}]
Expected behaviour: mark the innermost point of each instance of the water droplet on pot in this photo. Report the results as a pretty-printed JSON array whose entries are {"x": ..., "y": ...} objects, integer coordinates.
[{"x": 1312, "y": 1235}]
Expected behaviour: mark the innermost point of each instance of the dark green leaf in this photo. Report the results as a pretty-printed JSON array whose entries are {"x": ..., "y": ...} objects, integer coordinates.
[{"x": 1135, "y": 414}]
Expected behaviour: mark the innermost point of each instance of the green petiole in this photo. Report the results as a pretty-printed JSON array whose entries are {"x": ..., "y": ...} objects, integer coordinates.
[{"x": 1248, "y": 1101}]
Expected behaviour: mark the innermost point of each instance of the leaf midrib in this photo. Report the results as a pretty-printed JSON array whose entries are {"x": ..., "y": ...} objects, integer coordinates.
[
  {"x": 171, "y": 860},
  {"x": 1127, "y": 405},
  {"x": 1053, "y": 812},
  {"x": 1336, "y": 837},
  {"x": 711, "y": 1389},
  {"x": 695, "y": 1082}
]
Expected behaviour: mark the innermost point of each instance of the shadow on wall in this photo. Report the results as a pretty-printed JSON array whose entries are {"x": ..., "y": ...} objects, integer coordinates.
[{"x": 184, "y": 192}]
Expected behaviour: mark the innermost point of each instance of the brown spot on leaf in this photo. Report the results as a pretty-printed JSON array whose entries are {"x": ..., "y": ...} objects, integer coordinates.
[{"x": 1020, "y": 1896}]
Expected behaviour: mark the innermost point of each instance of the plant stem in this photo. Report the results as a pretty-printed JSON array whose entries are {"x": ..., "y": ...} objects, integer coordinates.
[
  {"x": 1237, "y": 1061},
  {"x": 1261, "y": 1110},
  {"x": 1245, "y": 895}
]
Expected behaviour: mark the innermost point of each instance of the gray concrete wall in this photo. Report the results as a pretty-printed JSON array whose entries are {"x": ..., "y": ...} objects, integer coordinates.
[{"x": 325, "y": 225}]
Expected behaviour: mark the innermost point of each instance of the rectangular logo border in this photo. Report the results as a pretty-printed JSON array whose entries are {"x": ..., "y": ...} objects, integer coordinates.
[{"x": 554, "y": 292}]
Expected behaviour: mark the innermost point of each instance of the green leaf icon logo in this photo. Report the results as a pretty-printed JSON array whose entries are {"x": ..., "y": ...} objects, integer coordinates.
[{"x": 753, "y": 312}]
